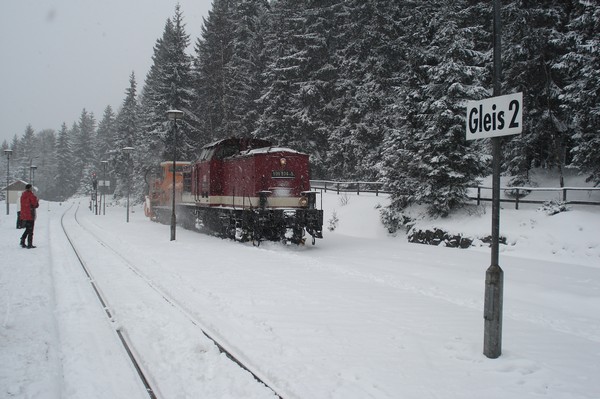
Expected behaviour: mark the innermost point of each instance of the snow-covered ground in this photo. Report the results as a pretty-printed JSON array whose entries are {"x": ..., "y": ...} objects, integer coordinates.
[{"x": 359, "y": 315}]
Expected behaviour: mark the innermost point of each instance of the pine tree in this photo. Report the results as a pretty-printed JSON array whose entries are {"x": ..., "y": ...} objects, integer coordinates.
[
  {"x": 29, "y": 152},
  {"x": 299, "y": 79},
  {"x": 582, "y": 95},
  {"x": 244, "y": 71},
  {"x": 128, "y": 135},
  {"x": 368, "y": 60},
  {"x": 169, "y": 86},
  {"x": 64, "y": 179},
  {"x": 213, "y": 72},
  {"x": 536, "y": 39},
  {"x": 106, "y": 135},
  {"x": 43, "y": 175},
  {"x": 84, "y": 138},
  {"x": 427, "y": 157}
]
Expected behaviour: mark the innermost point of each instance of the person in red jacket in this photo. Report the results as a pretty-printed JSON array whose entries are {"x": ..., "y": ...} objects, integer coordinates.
[{"x": 29, "y": 204}]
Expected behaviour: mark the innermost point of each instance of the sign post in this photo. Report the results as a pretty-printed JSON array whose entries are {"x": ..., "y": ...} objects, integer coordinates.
[{"x": 492, "y": 118}]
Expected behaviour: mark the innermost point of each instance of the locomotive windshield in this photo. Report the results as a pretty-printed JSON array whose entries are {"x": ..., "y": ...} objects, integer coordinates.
[{"x": 227, "y": 150}]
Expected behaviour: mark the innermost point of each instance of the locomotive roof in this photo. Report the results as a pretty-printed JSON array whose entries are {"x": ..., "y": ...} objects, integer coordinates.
[
  {"x": 266, "y": 150},
  {"x": 240, "y": 147},
  {"x": 250, "y": 145},
  {"x": 163, "y": 163}
]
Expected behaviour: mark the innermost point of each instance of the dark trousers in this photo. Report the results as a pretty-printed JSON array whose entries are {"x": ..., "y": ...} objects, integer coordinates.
[{"x": 28, "y": 234}]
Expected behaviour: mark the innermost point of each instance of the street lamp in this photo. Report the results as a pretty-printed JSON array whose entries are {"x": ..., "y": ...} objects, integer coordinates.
[
  {"x": 8, "y": 153},
  {"x": 103, "y": 194},
  {"x": 128, "y": 151},
  {"x": 173, "y": 115}
]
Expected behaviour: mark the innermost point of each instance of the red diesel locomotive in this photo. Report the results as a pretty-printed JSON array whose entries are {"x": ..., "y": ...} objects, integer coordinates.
[{"x": 240, "y": 188}]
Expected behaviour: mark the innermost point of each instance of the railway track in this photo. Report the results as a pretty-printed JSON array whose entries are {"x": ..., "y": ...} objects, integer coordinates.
[{"x": 151, "y": 389}]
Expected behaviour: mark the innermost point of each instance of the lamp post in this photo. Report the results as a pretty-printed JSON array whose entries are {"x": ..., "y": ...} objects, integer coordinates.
[
  {"x": 173, "y": 115},
  {"x": 103, "y": 194},
  {"x": 128, "y": 151},
  {"x": 32, "y": 169},
  {"x": 8, "y": 153}
]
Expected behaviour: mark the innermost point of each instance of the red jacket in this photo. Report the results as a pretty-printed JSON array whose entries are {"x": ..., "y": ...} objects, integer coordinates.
[{"x": 28, "y": 203}]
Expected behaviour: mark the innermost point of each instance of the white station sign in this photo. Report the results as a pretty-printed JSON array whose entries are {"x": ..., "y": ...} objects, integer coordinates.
[{"x": 496, "y": 116}]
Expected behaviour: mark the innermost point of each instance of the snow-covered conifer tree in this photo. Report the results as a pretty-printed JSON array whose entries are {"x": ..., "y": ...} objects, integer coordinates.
[
  {"x": 427, "y": 157},
  {"x": 64, "y": 179},
  {"x": 168, "y": 86}
]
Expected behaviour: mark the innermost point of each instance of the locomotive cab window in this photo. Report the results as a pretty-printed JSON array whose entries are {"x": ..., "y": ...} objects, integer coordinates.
[
  {"x": 227, "y": 150},
  {"x": 207, "y": 153}
]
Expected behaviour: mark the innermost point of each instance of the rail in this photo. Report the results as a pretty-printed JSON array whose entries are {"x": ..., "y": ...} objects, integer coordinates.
[
  {"x": 238, "y": 358},
  {"x": 122, "y": 337}
]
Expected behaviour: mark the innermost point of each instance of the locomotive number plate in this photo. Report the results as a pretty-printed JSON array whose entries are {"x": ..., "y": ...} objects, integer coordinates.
[{"x": 282, "y": 173}]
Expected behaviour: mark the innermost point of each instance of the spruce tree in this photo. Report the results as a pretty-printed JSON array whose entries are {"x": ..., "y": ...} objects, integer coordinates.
[
  {"x": 83, "y": 150},
  {"x": 27, "y": 155},
  {"x": 128, "y": 135},
  {"x": 536, "y": 40},
  {"x": 46, "y": 165},
  {"x": 244, "y": 71},
  {"x": 169, "y": 86},
  {"x": 368, "y": 60},
  {"x": 105, "y": 135},
  {"x": 427, "y": 158},
  {"x": 582, "y": 95},
  {"x": 214, "y": 73},
  {"x": 295, "y": 103},
  {"x": 64, "y": 179}
]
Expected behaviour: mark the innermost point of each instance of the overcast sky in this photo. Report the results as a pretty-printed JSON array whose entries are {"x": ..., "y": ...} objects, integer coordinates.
[{"x": 58, "y": 57}]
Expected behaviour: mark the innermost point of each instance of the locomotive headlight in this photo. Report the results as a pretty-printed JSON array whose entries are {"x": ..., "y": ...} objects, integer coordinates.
[
  {"x": 283, "y": 162},
  {"x": 303, "y": 201}
]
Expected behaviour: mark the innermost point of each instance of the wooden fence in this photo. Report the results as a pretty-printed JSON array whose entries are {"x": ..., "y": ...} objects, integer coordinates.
[
  {"x": 516, "y": 195},
  {"x": 348, "y": 186},
  {"x": 539, "y": 195}
]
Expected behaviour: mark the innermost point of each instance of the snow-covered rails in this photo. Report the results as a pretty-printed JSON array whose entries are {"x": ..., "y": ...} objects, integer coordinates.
[{"x": 240, "y": 188}]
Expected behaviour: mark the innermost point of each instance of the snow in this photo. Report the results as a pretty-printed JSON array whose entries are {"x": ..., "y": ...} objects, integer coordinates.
[{"x": 361, "y": 314}]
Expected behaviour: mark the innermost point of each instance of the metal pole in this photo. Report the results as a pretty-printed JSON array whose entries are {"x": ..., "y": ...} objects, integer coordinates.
[
  {"x": 7, "y": 152},
  {"x": 128, "y": 186},
  {"x": 494, "y": 279},
  {"x": 104, "y": 190},
  {"x": 129, "y": 167},
  {"x": 173, "y": 216},
  {"x": 128, "y": 200}
]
